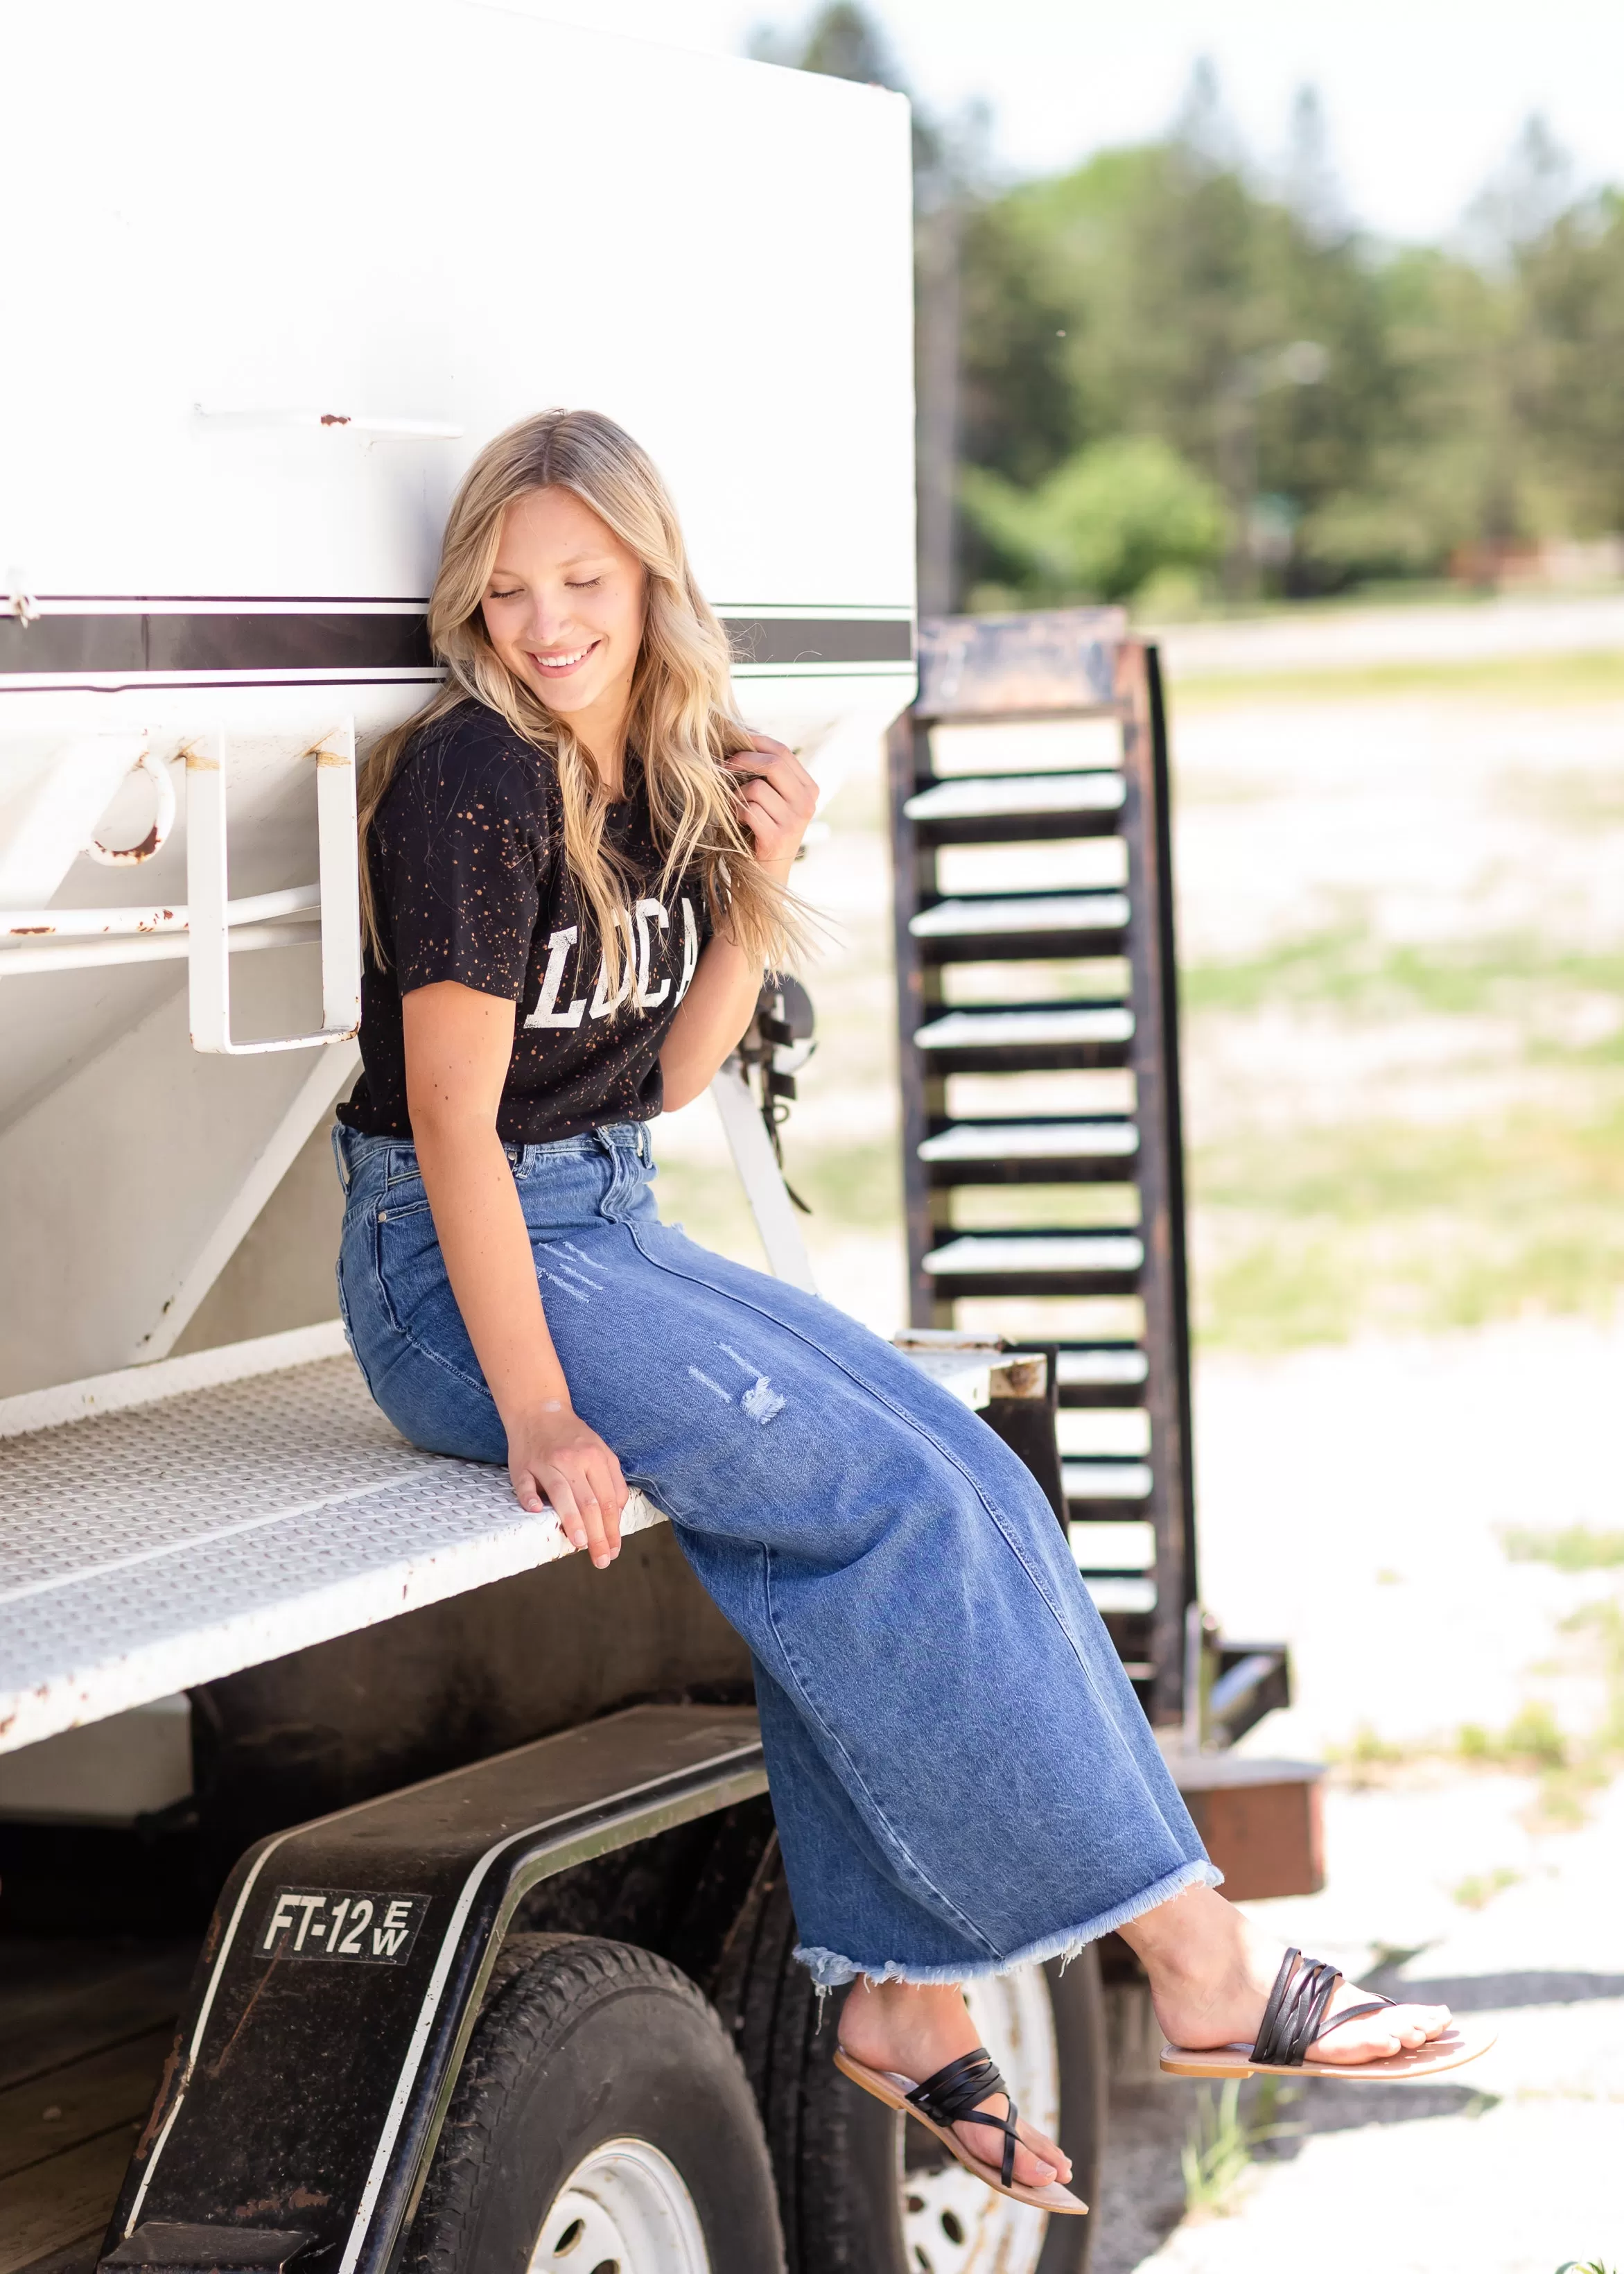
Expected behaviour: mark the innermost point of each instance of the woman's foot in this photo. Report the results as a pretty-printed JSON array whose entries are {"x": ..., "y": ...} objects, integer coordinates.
[
  {"x": 913, "y": 2032},
  {"x": 1211, "y": 1973}
]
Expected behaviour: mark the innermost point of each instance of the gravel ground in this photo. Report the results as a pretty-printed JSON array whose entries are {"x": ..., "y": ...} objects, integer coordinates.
[
  {"x": 1352, "y": 1500},
  {"x": 1513, "y": 2168}
]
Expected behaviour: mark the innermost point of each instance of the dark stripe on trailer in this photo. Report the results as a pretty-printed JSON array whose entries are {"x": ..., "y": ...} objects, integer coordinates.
[
  {"x": 312, "y": 640},
  {"x": 327, "y": 639},
  {"x": 820, "y": 639}
]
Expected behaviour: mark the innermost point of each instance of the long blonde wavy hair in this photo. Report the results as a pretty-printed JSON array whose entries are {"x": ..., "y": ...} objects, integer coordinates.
[{"x": 682, "y": 722}]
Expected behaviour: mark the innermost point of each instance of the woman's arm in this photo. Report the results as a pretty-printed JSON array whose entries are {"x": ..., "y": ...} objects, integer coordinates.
[
  {"x": 778, "y": 803},
  {"x": 458, "y": 1045}
]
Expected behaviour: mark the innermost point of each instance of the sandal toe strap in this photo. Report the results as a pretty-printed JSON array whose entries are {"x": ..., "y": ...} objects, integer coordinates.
[
  {"x": 1295, "y": 2015},
  {"x": 952, "y": 2095}
]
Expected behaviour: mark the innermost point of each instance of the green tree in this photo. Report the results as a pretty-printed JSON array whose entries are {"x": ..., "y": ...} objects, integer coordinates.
[{"x": 1104, "y": 523}]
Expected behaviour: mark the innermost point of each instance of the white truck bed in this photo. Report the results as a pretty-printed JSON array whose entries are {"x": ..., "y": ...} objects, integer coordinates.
[{"x": 168, "y": 1525}]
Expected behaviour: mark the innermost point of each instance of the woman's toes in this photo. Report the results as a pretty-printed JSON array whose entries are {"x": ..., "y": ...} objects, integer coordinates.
[{"x": 1038, "y": 2161}]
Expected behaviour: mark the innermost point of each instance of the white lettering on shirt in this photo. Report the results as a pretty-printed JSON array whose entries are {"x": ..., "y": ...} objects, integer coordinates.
[
  {"x": 602, "y": 1007},
  {"x": 690, "y": 946},
  {"x": 545, "y": 1015},
  {"x": 643, "y": 1000}
]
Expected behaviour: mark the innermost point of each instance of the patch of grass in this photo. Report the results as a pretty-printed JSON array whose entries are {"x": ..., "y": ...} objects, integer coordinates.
[
  {"x": 1570, "y": 1769},
  {"x": 848, "y": 1188},
  {"x": 1575, "y": 1547},
  {"x": 1223, "y": 2141},
  {"x": 1542, "y": 679},
  {"x": 1317, "y": 1234},
  {"x": 1363, "y": 1761},
  {"x": 1479, "y": 1888},
  {"x": 1531, "y": 1740},
  {"x": 1345, "y": 968}
]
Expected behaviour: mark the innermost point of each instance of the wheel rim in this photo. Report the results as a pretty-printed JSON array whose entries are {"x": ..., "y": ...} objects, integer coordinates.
[
  {"x": 950, "y": 2222},
  {"x": 624, "y": 2209}
]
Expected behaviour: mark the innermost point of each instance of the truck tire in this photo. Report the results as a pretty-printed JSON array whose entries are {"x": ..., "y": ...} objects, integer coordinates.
[
  {"x": 602, "y": 2121},
  {"x": 860, "y": 2191}
]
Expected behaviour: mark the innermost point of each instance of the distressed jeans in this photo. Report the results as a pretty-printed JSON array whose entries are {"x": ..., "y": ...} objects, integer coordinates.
[{"x": 962, "y": 1777}]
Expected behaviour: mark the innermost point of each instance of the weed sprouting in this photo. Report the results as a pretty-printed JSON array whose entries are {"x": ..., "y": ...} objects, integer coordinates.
[
  {"x": 1221, "y": 2142},
  {"x": 1479, "y": 1888},
  {"x": 1573, "y": 1547}
]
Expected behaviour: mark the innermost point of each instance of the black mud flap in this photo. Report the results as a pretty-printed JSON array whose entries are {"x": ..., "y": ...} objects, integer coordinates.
[{"x": 342, "y": 1974}]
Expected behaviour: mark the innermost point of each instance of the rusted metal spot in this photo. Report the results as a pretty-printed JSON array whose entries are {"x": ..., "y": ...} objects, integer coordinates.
[
  {"x": 161, "y": 2099},
  {"x": 336, "y": 418},
  {"x": 297, "y": 2198},
  {"x": 126, "y": 856},
  {"x": 217, "y": 2068},
  {"x": 30, "y": 931},
  {"x": 1020, "y": 667},
  {"x": 1020, "y": 1377}
]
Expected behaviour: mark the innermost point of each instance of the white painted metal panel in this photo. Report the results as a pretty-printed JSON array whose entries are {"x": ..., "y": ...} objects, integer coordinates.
[
  {"x": 149, "y": 1542},
  {"x": 289, "y": 265},
  {"x": 148, "y": 1550},
  {"x": 444, "y": 215}
]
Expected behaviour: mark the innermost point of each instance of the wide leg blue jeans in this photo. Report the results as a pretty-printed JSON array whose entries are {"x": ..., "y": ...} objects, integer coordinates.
[{"x": 961, "y": 1774}]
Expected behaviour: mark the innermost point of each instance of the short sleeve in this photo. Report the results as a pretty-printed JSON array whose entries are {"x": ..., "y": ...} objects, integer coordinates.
[{"x": 461, "y": 844}]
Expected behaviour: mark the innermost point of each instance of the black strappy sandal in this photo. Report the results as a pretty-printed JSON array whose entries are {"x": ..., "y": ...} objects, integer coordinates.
[
  {"x": 1294, "y": 2019},
  {"x": 952, "y": 2096}
]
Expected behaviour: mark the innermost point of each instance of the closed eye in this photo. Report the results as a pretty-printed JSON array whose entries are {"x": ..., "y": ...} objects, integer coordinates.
[
  {"x": 505, "y": 596},
  {"x": 584, "y": 584}
]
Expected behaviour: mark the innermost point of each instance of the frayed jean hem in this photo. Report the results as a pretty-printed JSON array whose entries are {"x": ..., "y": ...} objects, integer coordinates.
[{"x": 830, "y": 1971}]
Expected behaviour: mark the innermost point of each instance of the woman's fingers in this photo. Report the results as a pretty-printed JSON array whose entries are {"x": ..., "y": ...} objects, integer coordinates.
[
  {"x": 579, "y": 1479},
  {"x": 527, "y": 1488},
  {"x": 766, "y": 798},
  {"x": 777, "y": 797},
  {"x": 610, "y": 1502},
  {"x": 561, "y": 1499},
  {"x": 619, "y": 1491},
  {"x": 591, "y": 1514},
  {"x": 587, "y": 1495},
  {"x": 770, "y": 761}
]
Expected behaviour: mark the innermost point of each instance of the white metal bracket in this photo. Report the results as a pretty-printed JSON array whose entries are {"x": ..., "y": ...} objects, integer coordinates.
[
  {"x": 208, "y": 909},
  {"x": 761, "y": 1178}
]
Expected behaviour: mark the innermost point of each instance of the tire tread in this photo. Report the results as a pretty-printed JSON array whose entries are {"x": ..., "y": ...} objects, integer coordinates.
[{"x": 540, "y": 1986}]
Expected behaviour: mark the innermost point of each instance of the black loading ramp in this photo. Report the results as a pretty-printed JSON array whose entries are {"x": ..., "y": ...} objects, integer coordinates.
[{"x": 1043, "y": 1155}]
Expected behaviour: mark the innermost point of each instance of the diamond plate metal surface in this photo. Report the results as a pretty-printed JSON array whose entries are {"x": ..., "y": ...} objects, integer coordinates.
[{"x": 144, "y": 1551}]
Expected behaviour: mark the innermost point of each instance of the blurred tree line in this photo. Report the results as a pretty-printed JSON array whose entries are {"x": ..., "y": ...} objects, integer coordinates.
[{"x": 1163, "y": 374}]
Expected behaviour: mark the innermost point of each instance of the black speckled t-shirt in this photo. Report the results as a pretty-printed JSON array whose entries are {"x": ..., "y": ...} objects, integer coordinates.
[{"x": 470, "y": 882}]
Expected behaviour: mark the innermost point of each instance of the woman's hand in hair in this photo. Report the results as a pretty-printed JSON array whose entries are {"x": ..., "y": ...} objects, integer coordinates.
[
  {"x": 553, "y": 1456},
  {"x": 777, "y": 798}
]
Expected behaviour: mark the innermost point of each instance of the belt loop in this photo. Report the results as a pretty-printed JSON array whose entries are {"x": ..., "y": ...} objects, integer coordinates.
[{"x": 339, "y": 1162}]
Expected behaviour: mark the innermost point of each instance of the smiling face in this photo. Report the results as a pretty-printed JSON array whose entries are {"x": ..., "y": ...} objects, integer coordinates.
[{"x": 564, "y": 610}]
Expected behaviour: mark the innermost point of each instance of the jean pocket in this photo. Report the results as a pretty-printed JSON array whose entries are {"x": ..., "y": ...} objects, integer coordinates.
[{"x": 406, "y": 1199}]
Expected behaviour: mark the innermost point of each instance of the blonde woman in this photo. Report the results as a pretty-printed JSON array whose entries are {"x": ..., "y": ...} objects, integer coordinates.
[{"x": 576, "y": 862}]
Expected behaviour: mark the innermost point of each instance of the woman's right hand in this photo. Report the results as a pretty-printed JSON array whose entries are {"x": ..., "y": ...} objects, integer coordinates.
[{"x": 553, "y": 1457}]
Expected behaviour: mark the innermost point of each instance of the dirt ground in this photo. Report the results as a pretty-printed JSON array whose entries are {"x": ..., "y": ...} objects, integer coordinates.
[{"x": 1515, "y": 2167}]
